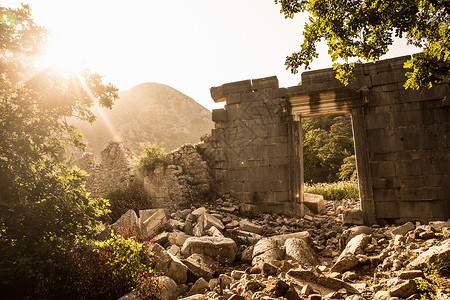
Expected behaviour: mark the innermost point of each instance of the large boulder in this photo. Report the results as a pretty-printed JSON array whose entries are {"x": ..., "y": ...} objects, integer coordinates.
[
  {"x": 127, "y": 221},
  {"x": 201, "y": 265},
  {"x": 298, "y": 250},
  {"x": 265, "y": 251},
  {"x": 219, "y": 248},
  {"x": 169, "y": 288},
  {"x": 431, "y": 255},
  {"x": 347, "y": 260},
  {"x": 168, "y": 264},
  {"x": 350, "y": 233},
  {"x": 153, "y": 221}
]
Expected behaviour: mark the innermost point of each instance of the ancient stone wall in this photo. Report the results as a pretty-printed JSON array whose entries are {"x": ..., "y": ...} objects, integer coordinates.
[
  {"x": 116, "y": 169},
  {"x": 183, "y": 182},
  {"x": 250, "y": 151},
  {"x": 401, "y": 136}
]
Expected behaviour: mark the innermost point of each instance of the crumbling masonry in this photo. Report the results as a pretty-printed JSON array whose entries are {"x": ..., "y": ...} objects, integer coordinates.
[{"x": 402, "y": 141}]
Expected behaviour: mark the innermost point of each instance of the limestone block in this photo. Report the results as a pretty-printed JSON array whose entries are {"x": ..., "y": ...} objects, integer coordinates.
[
  {"x": 219, "y": 115},
  {"x": 201, "y": 265},
  {"x": 353, "y": 217},
  {"x": 222, "y": 249},
  {"x": 404, "y": 289},
  {"x": 431, "y": 255},
  {"x": 246, "y": 225},
  {"x": 319, "y": 283},
  {"x": 298, "y": 250},
  {"x": 210, "y": 221},
  {"x": 126, "y": 222},
  {"x": 403, "y": 229},
  {"x": 347, "y": 260},
  {"x": 265, "y": 83},
  {"x": 217, "y": 94},
  {"x": 200, "y": 287},
  {"x": 315, "y": 203},
  {"x": 168, "y": 264},
  {"x": 177, "y": 238},
  {"x": 169, "y": 288},
  {"x": 153, "y": 221}
]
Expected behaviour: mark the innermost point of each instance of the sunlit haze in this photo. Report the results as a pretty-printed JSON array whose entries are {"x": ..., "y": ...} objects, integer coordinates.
[{"x": 188, "y": 45}]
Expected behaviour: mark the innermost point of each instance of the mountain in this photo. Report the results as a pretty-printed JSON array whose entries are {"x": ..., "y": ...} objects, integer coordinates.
[{"x": 148, "y": 112}]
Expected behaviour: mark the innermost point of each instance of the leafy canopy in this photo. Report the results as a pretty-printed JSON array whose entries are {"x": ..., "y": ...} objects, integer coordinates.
[
  {"x": 43, "y": 203},
  {"x": 365, "y": 29}
]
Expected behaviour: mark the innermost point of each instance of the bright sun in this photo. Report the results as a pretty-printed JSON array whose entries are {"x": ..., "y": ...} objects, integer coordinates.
[{"x": 62, "y": 55}]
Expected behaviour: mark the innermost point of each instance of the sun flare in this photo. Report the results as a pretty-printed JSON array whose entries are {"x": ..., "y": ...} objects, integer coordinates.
[{"x": 63, "y": 56}]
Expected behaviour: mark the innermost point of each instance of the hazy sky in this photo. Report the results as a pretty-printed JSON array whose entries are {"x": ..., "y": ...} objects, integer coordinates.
[{"x": 190, "y": 45}]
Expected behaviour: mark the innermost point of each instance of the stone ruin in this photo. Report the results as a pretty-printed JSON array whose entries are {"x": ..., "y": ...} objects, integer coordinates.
[
  {"x": 116, "y": 170},
  {"x": 177, "y": 185},
  {"x": 402, "y": 142},
  {"x": 254, "y": 154}
]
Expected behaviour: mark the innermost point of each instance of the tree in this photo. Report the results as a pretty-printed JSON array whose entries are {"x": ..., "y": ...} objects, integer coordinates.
[
  {"x": 365, "y": 29},
  {"x": 328, "y": 148},
  {"x": 43, "y": 203}
]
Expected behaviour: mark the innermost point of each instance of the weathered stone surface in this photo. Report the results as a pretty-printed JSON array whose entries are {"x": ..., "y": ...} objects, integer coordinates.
[
  {"x": 210, "y": 220},
  {"x": 127, "y": 221},
  {"x": 189, "y": 224},
  {"x": 350, "y": 233},
  {"x": 169, "y": 290},
  {"x": 177, "y": 238},
  {"x": 153, "y": 221},
  {"x": 410, "y": 274},
  {"x": 246, "y": 225},
  {"x": 298, "y": 250},
  {"x": 276, "y": 288},
  {"x": 347, "y": 260},
  {"x": 248, "y": 210},
  {"x": 201, "y": 265},
  {"x": 265, "y": 251},
  {"x": 353, "y": 217},
  {"x": 199, "y": 287},
  {"x": 403, "y": 229},
  {"x": 431, "y": 255},
  {"x": 221, "y": 249},
  {"x": 404, "y": 289},
  {"x": 320, "y": 283},
  {"x": 315, "y": 203},
  {"x": 269, "y": 269},
  {"x": 168, "y": 264}
]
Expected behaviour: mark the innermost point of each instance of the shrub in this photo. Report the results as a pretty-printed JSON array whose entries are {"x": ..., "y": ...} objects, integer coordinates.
[
  {"x": 153, "y": 156},
  {"x": 334, "y": 191},
  {"x": 101, "y": 270},
  {"x": 122, "y": 199}
]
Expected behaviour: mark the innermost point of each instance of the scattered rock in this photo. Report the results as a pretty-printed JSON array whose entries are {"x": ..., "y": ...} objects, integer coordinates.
[
  {"x": 431, "y": 255},
  {"x": 314, "y": 202}
]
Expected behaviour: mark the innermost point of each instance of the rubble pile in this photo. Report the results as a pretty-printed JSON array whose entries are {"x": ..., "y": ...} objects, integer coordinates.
[{"x": 226, "y": 250}]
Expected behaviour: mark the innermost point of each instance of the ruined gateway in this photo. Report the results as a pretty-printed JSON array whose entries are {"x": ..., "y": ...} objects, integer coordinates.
[
  {"x": 402, "y": 141},
  {"x": 254, "y": 154}
]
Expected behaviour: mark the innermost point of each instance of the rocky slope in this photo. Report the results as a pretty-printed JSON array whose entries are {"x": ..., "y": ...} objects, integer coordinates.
[{"x": 149, "y": 112}]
